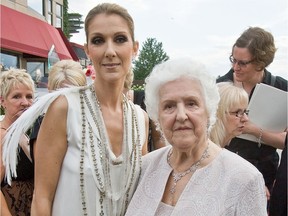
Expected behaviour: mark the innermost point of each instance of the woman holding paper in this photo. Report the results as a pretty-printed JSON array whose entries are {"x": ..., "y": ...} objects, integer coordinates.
[{"x": 252, "y": 52}]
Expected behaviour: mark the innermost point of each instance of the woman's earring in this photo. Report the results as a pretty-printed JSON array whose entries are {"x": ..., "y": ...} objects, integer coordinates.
[{"x": 207, "y": 127}]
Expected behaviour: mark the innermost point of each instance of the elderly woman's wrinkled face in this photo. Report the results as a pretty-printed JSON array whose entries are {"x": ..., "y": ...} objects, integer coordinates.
[{"x": 183, "y": 115}]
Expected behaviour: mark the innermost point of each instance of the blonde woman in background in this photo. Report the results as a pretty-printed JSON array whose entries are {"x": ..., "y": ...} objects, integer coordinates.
[
  {"x": 65, "y": 73},
  {"x": 17, "y": 94},
  {"x": 232, "y": 113}
]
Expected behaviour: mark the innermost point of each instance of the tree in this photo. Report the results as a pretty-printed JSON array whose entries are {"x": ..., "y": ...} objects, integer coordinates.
[
  {"x": 72, "y": 22},
  {"x": 151, "y": 54},
  {"x": 65, "y": 18}
]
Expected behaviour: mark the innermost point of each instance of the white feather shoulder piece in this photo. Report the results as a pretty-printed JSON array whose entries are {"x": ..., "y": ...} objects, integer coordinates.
[{"x": 22, "y": 124}]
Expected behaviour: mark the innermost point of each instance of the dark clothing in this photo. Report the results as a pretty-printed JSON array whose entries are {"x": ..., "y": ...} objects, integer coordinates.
[
  {"x": 265, "y": 157},
  {"x": 19, "y": 195},
  {"x": 139, "y": 97},
  {"x": 34, "y": 134},
  {"x": 278, "y": 200}
]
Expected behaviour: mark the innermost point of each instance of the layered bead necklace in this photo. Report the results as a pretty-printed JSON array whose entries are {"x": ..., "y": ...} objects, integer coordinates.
[
  {"x": 129, "y": 161},
  {"x": 178, "y": 176}
]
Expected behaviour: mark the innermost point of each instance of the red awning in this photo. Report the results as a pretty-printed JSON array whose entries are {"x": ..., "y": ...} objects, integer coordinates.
[
  {"x": 68, "y": 45},
  {"x": 27, "y": 34}
]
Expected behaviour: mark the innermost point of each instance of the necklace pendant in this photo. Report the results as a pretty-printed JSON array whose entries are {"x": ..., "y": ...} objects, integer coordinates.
[
  {"x": 176, "y": 177},
  {"x": 172, "y": 190}
]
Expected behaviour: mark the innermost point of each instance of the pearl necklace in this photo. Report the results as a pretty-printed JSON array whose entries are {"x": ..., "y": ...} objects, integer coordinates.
[{"x": 178, "y": 176}]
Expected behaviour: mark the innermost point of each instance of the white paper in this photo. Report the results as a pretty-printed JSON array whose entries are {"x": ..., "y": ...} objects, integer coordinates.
[{"x": 267, "y": 109}]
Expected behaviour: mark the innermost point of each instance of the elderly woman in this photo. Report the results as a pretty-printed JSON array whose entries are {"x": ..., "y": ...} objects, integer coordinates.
[
  {"x": 193, "y": 175},
  {"x": 231, "y": 113},
  {"x": 17, "y": 94}
]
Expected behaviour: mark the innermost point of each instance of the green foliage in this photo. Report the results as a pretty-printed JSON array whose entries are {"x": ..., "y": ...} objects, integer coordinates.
[
  {"x": 137, "y": 87},
  {"x": 72, "y": 22},
  {"x": 151, "y": 54},
  {"x": 65, "y": 18}
]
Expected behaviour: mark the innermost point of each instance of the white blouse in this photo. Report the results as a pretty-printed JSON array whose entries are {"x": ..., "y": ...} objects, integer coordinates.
[{"x": 229, "y": 185}]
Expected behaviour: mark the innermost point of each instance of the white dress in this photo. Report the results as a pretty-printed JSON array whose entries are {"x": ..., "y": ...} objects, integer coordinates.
[
  {"x": 92, "y": 180},
  {"x": 228, "y": 186},
  {"x": 68, "y": 197}
]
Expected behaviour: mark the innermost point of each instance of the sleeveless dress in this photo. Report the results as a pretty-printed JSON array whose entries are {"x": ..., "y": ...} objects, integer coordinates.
[
  {"x": 19, "y": 195},
  {"x": 92, "y": 180}
]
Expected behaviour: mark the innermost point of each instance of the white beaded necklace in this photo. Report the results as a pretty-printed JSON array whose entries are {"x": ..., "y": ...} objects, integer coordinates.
[
  {"x": 102, "y": 143},
  {"x": 178, "y": 176}
]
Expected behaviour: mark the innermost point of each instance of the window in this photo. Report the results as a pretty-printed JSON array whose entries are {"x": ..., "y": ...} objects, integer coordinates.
[
  {"x": 37, "y": 71},
  {"x": 59, "y": 15},
  {"x": 59, "y": 10},
  {"x": 36, "y": 5},
  {"x": 49, "y": 19},
  {"x": 58, "y": 23},
  {"x": 8, "y": 60},
  {"x": 50, "y": 12},
  {"x": 49, "y": 9}
]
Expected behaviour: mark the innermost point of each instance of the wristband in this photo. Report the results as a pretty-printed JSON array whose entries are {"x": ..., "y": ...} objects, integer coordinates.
[{"x": 260, "y": 137}]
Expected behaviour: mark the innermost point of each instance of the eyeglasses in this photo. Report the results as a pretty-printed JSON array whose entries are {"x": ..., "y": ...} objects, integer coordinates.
[
  {"x": 239, "y": 62},
  {"x": 240, "y": 113}
]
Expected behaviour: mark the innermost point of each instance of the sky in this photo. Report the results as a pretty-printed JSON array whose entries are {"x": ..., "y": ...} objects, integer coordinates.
[{"x": 202, "y": 29}]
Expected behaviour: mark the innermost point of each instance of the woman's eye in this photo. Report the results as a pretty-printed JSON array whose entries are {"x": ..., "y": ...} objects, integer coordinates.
[
  {"x": 16, "y": 96},
  {"x": 97, "y": 40},
  {"x": 191, "y": 103},
  {"x": 29, "y": 97},
  {"x": 168, "y": 107},
  {"x": 121, "y": 39}
]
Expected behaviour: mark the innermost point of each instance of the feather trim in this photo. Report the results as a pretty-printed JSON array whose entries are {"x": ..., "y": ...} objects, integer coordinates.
[{"x": 22, "y": 124}]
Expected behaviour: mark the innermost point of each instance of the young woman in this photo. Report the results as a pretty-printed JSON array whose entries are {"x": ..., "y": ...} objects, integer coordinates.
[
  {"x": 89, "y": 147},
  {"x": 251, "y": 54}
]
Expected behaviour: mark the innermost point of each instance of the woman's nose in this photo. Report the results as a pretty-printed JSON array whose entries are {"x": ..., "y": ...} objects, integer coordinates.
[
  {"x": 110, "y": 50},
  {"x": 25, "y": 102},
  {"x": 181, "y": 113},
  {"x": 244, "y": 117}
]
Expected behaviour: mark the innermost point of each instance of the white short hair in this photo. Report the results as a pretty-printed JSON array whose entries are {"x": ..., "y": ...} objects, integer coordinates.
[{"x": 175, "y": 69}]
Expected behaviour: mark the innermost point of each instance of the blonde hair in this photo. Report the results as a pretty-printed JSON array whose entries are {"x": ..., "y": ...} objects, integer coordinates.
[
  {"x": 66, "y": 73},
  {"x": 12, "y": 78},
  {"x": 129, "y": 80},
  {"x": 230, "y": 96}
]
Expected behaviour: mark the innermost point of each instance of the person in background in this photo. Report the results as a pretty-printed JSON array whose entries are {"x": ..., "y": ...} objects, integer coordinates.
[
  {"x": 155, "y": 140},
  {"x": 251, "y": 54},
  {"x": 278, "y": 201},
  {"x": 232, "y": 114},
  {"x": 17, "y": 94},
  {"x": 192, "y": 175},
  {"x": 64, "y": 73},
  {"x": 91, "y": 141}
]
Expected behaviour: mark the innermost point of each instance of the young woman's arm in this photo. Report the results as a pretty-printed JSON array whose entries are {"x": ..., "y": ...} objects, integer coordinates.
[{"x": 49, "y": 155}]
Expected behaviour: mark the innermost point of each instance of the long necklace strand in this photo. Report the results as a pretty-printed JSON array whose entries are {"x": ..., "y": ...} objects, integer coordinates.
[
  {"x": 178, "y": 176},
  {"x": 136, "y": 151}
]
